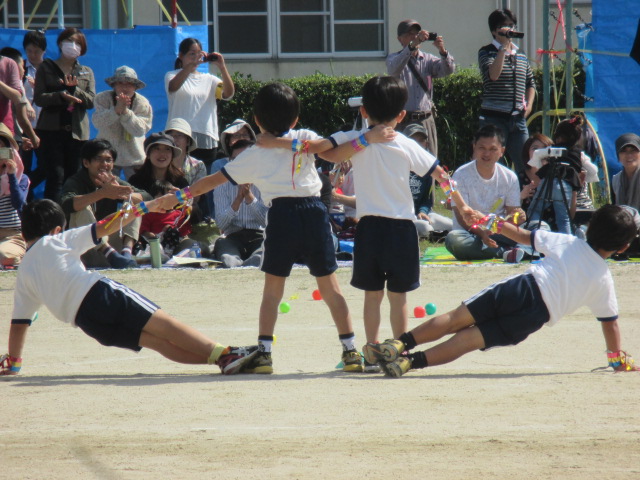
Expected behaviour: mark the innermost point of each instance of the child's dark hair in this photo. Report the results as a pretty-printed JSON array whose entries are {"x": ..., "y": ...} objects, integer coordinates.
[
  {"x": 569, "y": 131},
  {"x": 39, "y": 217},
  {"x": 489, "y": 131},
  {"x": 35, "y": 37},
  {"x": 611, "y": 228},
  {"x": 13, "y": 53},
  {"x": 91, "y": 148},
  {"x": 498, "y": 17},
  {"x": 276, "y": 107},
  {"x": 185, "y": 46},
  {"x": 384, "y": 98},
  {"x": 160, "y": 187}
]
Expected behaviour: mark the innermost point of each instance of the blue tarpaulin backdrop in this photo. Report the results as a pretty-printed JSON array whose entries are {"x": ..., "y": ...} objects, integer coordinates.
[
  {"x": 150, "y": 51},
  {"x": 613, "y": 78}
]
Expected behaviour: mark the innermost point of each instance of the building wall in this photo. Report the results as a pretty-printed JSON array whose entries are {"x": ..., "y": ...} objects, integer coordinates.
[{"x": 462, "y": 23}]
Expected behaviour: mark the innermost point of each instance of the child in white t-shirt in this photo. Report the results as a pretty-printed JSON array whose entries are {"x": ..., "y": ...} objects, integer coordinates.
[
  {"x": 573, "y": 273},
  {"x": 51, "y": 274},
  {"x": 297, "y": 222}
]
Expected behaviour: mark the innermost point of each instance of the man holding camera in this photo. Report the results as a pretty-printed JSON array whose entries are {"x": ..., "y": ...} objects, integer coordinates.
[
  {"x": 508, "y": 87},
  {"x": 417, "y": 69}
]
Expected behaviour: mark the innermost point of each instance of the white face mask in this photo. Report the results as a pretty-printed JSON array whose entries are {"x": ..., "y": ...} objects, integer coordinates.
[{"x": 70, "y": 49}]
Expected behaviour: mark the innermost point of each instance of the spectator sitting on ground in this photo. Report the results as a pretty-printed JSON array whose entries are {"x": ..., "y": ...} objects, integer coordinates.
[
  {"x": 241, "y": 216},
  {"x": 14, "y": 185},
  {"x": 427, "y": 220},
  {"x": 161, "y": 151},
  {"x": 94, "y": 193},
  {"x": 234, "y": 132},
  {"x": 528, "y": 177},
  {"x": 560, "y": 177},
  {"x": 123, "y": 117},
  {"x": 192, "y": 168},
  {"x": 486, "y": 186},
  {"x": 172, "y": 228},
  {"x": 625, "y": 185}
]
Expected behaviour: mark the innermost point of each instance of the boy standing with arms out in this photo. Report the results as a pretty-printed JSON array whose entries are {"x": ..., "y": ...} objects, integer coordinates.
[
  {"x": 51, "y": 274},
  {"x": 573, "y": 274},
  {"x": 386, "y": 243},
  {"x": 297, "y": 221}
]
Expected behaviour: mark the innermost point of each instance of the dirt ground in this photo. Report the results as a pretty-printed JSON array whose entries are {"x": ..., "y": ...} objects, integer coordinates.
[{"x": 83, "y": 411}]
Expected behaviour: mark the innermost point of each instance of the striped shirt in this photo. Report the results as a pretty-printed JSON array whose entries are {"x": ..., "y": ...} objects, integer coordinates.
[
  {"x": 507, "y": 94},
  {"x": 11, "y": 205},
  {"x": 249, "y": 216}
]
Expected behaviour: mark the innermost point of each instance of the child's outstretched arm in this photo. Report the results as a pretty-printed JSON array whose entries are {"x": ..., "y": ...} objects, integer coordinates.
[
  {"x": 344, "y": 151},
  {"x": 126, "y": 215},
  {"x": 199, "y": 187},
  {"x": 325, "y": 148},
  {"x": 618, "y": 359},
  {"x": 448, "y": 185},
  {"x": 11, "y": 363}
]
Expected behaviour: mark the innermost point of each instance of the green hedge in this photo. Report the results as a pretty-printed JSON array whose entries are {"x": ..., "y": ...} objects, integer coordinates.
[{"x": 325, "y": 109}]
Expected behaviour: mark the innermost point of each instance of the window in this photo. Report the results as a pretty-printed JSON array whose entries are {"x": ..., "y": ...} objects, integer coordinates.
[
  {"x": 42, "y": 11},
  {"x": 298, "y": 28}
]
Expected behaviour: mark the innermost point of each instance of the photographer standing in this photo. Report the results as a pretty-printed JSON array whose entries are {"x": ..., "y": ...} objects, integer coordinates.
[
  {"x": 508, "y": 86},
  {"x": 417, "y": 69}
]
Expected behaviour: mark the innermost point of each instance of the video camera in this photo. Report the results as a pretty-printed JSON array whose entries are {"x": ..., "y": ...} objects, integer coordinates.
[
  {"x": 511, "y": 34},
  {"x": 548, "y": 154}
]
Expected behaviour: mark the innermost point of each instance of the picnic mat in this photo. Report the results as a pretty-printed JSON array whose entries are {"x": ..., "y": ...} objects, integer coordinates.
[{"x": 434, "y": 256}]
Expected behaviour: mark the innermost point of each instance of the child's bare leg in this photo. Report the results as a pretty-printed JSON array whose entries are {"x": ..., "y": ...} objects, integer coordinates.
[
  {"x": 465, "y": 341},
  {"x": 271, "y": 297},
  {"x": 399, "y": 313},
  {"x": 372, "y": 302},
  {"x": 445, "y": 324},
  {"x": 332, "y": 295},
  {"x": 175, "y": 340}
]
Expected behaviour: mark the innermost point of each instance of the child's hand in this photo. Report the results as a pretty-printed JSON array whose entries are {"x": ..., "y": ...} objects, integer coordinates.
[
  {"x": 380, "y": 134},
  {"x": 162, "y": 204}
]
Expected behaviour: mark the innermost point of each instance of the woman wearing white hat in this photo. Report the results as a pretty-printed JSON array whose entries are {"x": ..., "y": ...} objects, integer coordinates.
[
  {"x": 124, "y": 117},
  {"x": 192, "y": 168}
]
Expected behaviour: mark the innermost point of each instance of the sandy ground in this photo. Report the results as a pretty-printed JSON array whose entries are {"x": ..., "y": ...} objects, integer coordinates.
[{"x": 80, "y": 410}]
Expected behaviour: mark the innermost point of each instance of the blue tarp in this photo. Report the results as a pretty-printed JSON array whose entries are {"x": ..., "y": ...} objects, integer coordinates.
[
  {"x": 613, "y": 78},
  {"x": 150, "y": 51}
]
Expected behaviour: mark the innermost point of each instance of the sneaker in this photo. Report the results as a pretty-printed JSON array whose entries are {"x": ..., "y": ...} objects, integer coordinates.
[
  {"x": 237, "y": 358},
  {"x": 514, "y": 255},
  {"x": 386, "y": 351},
  {"x": 370, "y": 367},
  {"x": 260, "y": 363},
  {"x": 351, "y": 361},
  {"x": 397, "y": 368}
]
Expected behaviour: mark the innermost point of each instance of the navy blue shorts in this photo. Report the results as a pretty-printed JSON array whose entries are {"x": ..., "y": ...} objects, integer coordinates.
[
  {"x": 508, "y": 312},
  {"x": 298, "y": 230},
  {"x": 386, "y": 250},
  {"x": 114, "y": 314}
]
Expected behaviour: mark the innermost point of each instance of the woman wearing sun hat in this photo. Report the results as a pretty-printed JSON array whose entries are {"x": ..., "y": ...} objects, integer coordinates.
[{"x": 123, "y": 116}]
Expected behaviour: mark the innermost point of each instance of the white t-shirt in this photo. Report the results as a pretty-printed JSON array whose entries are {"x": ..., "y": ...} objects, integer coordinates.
[
  {"x": 51, "y": 274},
  {"x": 275, "y": 171},
  {"x": 195, "y": 101},
  {"x": 487, "y": 195},
  {"x": 381, "y": 175},
  {"x": 571, "y": 275}
]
